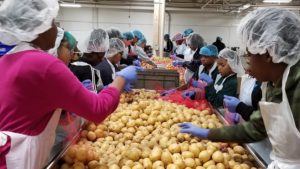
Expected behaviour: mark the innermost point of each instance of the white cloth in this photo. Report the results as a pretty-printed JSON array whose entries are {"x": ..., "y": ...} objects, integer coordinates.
[
  {"x": 282, "y": 131},
  {"x": 28, "y": 152},
  {"x": 201, "y": 68},
  {"x": 219, "y": 87},
  {"x": 180, "y": 49},
  {"x": 96, "y": 85},
  {"x": 113, "y": 69},
  {"x": 188, "y": 54},
  {"x": 246, "y": 89}
]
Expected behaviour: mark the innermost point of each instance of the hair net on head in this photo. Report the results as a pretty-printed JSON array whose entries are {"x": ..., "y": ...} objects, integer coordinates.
[
  {"x": 195, "y": 40},
  {"x": 138, "y": 34},
  {"x": 115, "y": 46},
  {"x": 141, "y": 41},
  {"x": 272, "y": 30},
  {"x": 210, "y": 50},
  {"x": 114, "y": 33},
  {"x": 177, "y": 37},
  {"x": 233, "y": 60},
  {"x": 128, "y": 35},
  {"x": 23, "y": 21},
  {"x": 59, "y": 38},
  {"x": 187, "y": 32},
  {"x": 98, "y": 41},
  {"x": 72, "y": 42}
]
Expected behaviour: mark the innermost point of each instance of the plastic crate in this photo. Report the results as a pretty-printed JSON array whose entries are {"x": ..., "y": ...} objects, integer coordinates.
[{"x": 157, "y": 79}]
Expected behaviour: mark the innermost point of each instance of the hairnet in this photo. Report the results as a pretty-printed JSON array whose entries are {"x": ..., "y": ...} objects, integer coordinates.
[
  {"x": 25, "y": 20},
  {"x": 115, "y": 46},
  {"x": 166, "y": 36},
  {"x": 272, "y": 30},
  {"x": 72, "y": 42},
  {"x": 114, "y": 33},
  {"x": 233, "y": 60},
  {"x": 59, "y": 38},
  {"x": 177, "y": 37},
  {"x": 98, "y": 41},
  {"x": 128, "y": 35},
  {"x": 187, "y": 32},
  {"x": 141, "y": 41},
  {"x": 138, "y": 34},
  {"x": 210, "y": 50},
  {"x": 195, "y": 40}
]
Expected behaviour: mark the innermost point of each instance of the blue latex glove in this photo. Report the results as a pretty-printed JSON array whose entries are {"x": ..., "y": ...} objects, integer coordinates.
[
  {"x": 173, "y": 57},
  {"x": 188, "y": 94},
  {"x": 128, "y": 87},
  {"x": 168, "y": 92},
  {"x": 88, "y": 84},
  {"x": 178, "y": 63},
  {"x": 231, "y": 103},
  {"x": 194, "y": 130},
  {"x": 194, "y": 83},
  {"x": 137, "y": 63},
  {"x": 129, "y": 73},
  {"x": 206, "y": 78}
]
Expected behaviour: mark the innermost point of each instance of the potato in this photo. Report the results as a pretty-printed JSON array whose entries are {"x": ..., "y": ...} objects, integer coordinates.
[
  {"x": 204, "y": 156},
  {"x": 197, "y": 162},
  {"x": 93, "y": 164},
  {"x": 194, "y": 149},
  {"x": 218, "y": 157},
  {"x": 172, "y": 166},
  {"x": 114, "y": 166},
  {"x": 78, "y": 165},
  {"x": 189, "y": 162},
  {"x": 91, "y": 127},
  {"x": 200, "y": 167},
  {"x": 220, "y": 166},
  {"x": 237, "y": 167},
  {"x": 187, "y": 154},
  {"x": 133, "y": 154},
  {"x": 147, "y": 163},
  {"x": 81, "y": 154},
  {"x": 129, "y": 163},
  {"x": 174, "y": 148},
  {"x": 138, "y": 166},
  {"x": 211, "y": 167},
  {"x": 125, "y": 167},
  {"x": 65, "y": 166},
  {"x": 157, "y": 164},
  {"x": 208, "y": 163},
  {"x": 239, "y": 150},
  {"x": 166, "y": 157},
  {"x": 91, "y": 136},
  {"x": 155, "y": 154}
]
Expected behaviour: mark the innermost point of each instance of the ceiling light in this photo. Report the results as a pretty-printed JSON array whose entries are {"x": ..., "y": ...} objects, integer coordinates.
[
  {"x": 246, "y": 6},
  {"x": 277, "y": 1},
  {"x": 70, "y": 5}
]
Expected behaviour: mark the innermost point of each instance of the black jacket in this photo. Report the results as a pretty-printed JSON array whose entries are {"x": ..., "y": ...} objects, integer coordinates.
[
  {"x": 169, "y": 46},
  {"x": 194, "y": 64},
  {"x": 82, "y": 72},
  {"x": 220, "y": 45},
  {"x": 130, "y": 59},
  {"x": 106, "y": 72}
]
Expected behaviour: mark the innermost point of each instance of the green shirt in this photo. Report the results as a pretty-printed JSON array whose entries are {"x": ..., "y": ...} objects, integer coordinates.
[
  {"x": 254, "y": 129},
  {"x": 229, "y": 88}
]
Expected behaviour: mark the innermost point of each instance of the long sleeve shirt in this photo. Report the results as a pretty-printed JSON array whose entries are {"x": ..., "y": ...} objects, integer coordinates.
[
  {"x": 254, "y": 129},
  {"x": 34, "y": 83}
]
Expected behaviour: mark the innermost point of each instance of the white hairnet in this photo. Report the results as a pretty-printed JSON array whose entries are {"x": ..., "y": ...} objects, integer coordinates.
[
  {"x": 59, "y": 38},
  {"x": 272, "y": 30},
  {"x": 233, "y": 60},
  {"x": 114, "y": 33},
  {"x": 195, "y": 40},
  {"x": 23, "y": 21},
  {"x": 98, "y": 41},
  {"x": 115, "y": 46}
]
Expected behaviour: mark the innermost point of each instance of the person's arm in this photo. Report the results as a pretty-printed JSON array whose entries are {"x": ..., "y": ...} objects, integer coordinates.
[
  {"x": 143, "y": 56},
  {"x": 244, "y": 110},
  {"x": 216, "y": 99},
  {"x": 193, "y": 65},
  {"x": 65, "y": 91},
  {"x": 247, "y": 132}
]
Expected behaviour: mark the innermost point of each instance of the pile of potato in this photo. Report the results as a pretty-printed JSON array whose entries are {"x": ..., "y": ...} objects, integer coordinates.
[
  {"x": 137, "y": 95},
  {"x": 145, "y": 135}
]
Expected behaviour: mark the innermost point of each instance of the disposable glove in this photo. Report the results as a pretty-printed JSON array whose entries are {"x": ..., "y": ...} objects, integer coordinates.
[
  {"x": 231, "y": 103},
  {"x": 168, "y": 92},
  {"x": 88, "y": 84},
  {"x": 178, "y": 63},
  {"x": 198, "y": 84},
  {"x": 137, "y": 63},
  {"x": 206, "y": 78},
  {"x": 128, "y": 88},
  {"x": 129, "y": 73},
  {"x": 194, "y": 130},
  {"x": 173, "y": 57},
  {"x": 189, "y": 94}
]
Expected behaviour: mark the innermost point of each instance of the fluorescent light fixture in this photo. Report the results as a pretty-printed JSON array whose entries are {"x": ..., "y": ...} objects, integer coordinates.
[
  {"x": 246, "y": 6},
  {"x": 70, "y": 5},
  {"x": 277, "y": 1}
]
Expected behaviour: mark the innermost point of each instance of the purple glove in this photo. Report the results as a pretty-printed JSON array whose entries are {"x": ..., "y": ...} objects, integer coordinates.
[
  {"x": 189, "y": 94},
  {"x": 178, "y": 63},
  {"x": 206, "y": 78},
  {"x": 168, "y": 92},
  {"x": 129, "y": 73},
  {"x": 128, "y": 88},
  {"x": 137, "y": 63},
  {"x": 233, "y": 118},
  {"x": 194, "y": 130},
  {"x": 231, "y": 103},
  {"x": 88, "y": 84},
  {"x": 173, "y": 57}
]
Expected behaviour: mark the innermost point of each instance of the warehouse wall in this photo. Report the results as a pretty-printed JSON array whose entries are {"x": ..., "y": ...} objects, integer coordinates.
[{"x": 80, "y": 21}]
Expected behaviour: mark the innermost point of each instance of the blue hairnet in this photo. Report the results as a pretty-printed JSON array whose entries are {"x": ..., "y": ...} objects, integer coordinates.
[
  {"x": 128, "y": 35},
  {"x": 187, "y": 32},
  {"x": 210, "y": 50},
  {"x": 138, "y": 34},
  {"x": 141, "y": 41}
]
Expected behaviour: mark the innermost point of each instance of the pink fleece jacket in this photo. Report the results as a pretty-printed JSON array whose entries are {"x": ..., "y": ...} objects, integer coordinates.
[{"x": 34, "y": 83}]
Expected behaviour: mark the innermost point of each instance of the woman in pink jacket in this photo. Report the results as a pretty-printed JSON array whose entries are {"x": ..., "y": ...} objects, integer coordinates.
[{"x": 33, "y": 84}]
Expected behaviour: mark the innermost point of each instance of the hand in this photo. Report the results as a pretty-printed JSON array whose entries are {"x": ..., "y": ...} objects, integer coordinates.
[
  {"x": 194, "y": 130},
  {"x": 173, "y": 57},
  {"x": 128, "y": 88},
  {"x": 231, "y": 103},
  {"x": 177, "y": 63},
  {"x": 206, "y": 78},
  {"x": 137, "y": 63},
  {"x": 129, "y": 73},
  {"x": 232, "y": 118},
  {"x": 88, "y": 84},
  {"x": 188, "y": 94},
  {"x": 168, "y": 92}
]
